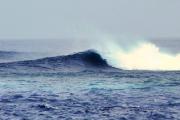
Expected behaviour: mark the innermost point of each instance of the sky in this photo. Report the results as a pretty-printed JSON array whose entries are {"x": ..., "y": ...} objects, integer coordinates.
[
  {"x": 145, "y": 31},
  {"x": 65, "y": 26},
  {"x": 62, "y": 19}
]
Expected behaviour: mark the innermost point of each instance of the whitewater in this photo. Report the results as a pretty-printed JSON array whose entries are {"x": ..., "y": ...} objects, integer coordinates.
[{"x": 143, "y": 55}]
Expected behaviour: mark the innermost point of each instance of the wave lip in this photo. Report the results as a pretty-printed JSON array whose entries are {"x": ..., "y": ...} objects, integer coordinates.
[{"x": 89, "y": 58}]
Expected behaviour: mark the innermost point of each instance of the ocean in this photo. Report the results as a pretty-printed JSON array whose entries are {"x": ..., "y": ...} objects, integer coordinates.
[{"x": 76, "y": 88}]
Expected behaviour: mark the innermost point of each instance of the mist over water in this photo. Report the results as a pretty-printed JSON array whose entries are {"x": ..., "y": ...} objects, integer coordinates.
[
  {"x": 139, "y": 54},
  {"x": 145, "y": 56}
]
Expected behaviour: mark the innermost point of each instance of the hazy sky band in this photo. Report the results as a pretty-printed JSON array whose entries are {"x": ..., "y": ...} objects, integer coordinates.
[{"x": 39, "y": 19}]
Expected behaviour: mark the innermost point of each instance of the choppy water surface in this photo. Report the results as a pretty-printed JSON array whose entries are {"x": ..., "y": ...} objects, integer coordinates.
[{"x": 126, "y": 95}]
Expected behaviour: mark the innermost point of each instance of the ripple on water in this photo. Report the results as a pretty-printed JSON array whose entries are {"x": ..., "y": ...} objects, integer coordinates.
[{"x": 124, "y": 97}]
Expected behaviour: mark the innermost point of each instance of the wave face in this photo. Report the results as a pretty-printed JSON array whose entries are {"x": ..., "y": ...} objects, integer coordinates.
[
  {"x": 87, "y": 60},
  {"x": 144, "y": 56}
]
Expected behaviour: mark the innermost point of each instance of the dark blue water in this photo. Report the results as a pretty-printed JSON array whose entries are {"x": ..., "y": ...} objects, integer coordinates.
[{"x": 125, "y": 95}]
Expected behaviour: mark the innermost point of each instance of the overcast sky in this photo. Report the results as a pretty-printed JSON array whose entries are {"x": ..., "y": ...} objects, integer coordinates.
[{"x": 59, "y": 19}]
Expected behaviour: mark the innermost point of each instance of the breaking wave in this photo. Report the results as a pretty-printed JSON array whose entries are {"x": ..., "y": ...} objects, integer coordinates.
[
  {"x": 145, "y": 56},
  {"x": 124, "y": 54}
]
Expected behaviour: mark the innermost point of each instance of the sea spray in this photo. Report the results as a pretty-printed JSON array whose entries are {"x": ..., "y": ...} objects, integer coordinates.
[{"x": 140, "y": 55}]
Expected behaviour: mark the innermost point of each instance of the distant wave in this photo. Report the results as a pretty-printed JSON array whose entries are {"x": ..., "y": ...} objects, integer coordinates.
[
  {"x": 14, "y": 56},
  {"x": 7, "y": 55}
]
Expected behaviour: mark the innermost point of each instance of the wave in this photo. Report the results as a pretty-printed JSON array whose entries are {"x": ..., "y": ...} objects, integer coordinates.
[
  {"x": 14, "y": 56},
  {"x": 87, "y": 60},
  {"x": 144, "y": 56},
  {"x": 6, "y": 56}
]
